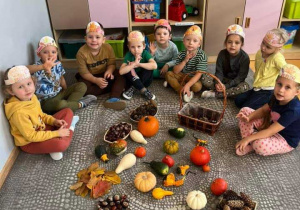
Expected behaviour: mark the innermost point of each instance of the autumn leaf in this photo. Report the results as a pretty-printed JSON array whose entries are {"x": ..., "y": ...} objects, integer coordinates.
[
  {"x": 84, "y": 192},
  {"x": 100, "y": 189},
  {"x": 93, "y": 181},
  {"x": 93, "y": 166},
  {"x": 82, "y": 172},
  {"x": 80, "y": 190},
  {"x": 76, "y": 186},
  {"x": 112, "y": 177}
]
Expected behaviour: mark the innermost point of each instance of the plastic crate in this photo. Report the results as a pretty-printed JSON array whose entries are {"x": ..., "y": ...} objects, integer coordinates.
[
  {"x": 71, "y": 41},
  {"x": 292, "y": 9},
  {"x": 177, "y": 37},
  {"x": 118, "y": 47},
  {"x": 146, "y": 11},
  {"x": 291, "y": 30}
]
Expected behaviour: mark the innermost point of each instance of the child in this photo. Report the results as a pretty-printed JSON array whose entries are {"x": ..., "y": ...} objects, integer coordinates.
[
  {"x": 231, "y": 68},
  {"x": 97, "y": 63},
  {"x": 34, "y": 131},
  {"x": 283, "y": 109},
  {"x": 189, "y": 61},
  {"x": 51, "y": 87},
  {"x": 268, "y": 62},
  {"x": 138, "y": 66},
  {"x": 163, "y": 50}
]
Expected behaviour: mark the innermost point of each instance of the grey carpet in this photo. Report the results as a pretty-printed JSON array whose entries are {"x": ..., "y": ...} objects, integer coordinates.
[{"x": 38, "y": 182}]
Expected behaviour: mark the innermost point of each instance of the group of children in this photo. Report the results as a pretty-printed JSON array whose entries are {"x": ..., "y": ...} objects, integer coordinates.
[{"x": 270, "y": 129}]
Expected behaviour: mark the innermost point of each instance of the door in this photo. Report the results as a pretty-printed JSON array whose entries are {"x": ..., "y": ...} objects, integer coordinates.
[
  {"x": 111, "y": 14},
  {"x": 259, "y": 17},
  {"x": 219, "y": 15}
]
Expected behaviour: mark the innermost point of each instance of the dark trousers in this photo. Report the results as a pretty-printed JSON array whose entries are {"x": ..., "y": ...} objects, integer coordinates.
[
  {"x": 115, "y": 86},
  {"x": 253, "y": 99},
  {"x": 142, "y": 80}
]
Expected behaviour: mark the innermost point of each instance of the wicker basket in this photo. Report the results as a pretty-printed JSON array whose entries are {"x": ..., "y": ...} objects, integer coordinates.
[{"x": 199, "y": 118}]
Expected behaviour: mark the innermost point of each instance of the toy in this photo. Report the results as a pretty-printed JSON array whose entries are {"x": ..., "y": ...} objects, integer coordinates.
[
  {"x": 178, "y": 11},
  {"x": 146, "y": 11}
]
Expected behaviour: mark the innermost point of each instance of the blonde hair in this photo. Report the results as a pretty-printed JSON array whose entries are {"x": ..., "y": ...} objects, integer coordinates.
[{"x": 282, "y": 34}]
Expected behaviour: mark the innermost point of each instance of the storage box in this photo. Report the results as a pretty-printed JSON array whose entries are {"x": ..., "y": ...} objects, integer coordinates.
[
  {"x": 291, "y": 30},
  {"x": 118, "y": 46},
  {"x": 146, "y": 11},
  {"x": 177, "y": 37},
  {"x": 292, "y": 9},
  {"x": 71, "y": 41}
]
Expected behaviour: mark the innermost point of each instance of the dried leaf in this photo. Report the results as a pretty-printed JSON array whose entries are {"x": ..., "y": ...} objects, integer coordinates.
[
  {"x": 93, "y": 167},
  {"x": 82, "y": 172},
  {"x": 93, "y": 181},
  {"x": 113, "y": 179},
  {"x": 84, "y": 192},
  {"x": 85, "y": 178},
  {"x": 100, "y": 189},
  {"x": 99, "y": 171},
  {"x": 80, "y": 190},
  {"x": 76, "y": 186}
]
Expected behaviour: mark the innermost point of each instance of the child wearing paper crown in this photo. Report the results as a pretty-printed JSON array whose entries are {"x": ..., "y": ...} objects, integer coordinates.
[
  {"x": 138, "y": 66},
  {"x": 189, "y": 61},
  {"x": 97, "y": 67},
  {"x": 231, "y": 68},
  {"x": 51, "y": 87},
  {"x": 163, "y": 49},
  {"x": 273, "y": 128},
  {"x": 34, "y": 131},
  {"x": 268, "y": 62}
]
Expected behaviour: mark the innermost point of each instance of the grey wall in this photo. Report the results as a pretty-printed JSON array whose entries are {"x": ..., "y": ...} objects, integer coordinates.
[{"x": 22, "y": 24}]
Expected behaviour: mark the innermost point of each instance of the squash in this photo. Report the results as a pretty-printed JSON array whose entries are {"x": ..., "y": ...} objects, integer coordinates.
[
  {"x": 118, "y": 147},
  {"x": 182, "y": 169},
  {"x": 159, "y": 193},
  {"x": 126, "y": 162},
  {"x": 171, "y": 147},
  {"x": 148, "y": 126},
  {"x": 137, "y": 137},
  {"x": 178, "y": 133},
  {"x": 196, "y": 199},
  {"x": 101, "y": 153},
  {"x": 145, "y": 181}
]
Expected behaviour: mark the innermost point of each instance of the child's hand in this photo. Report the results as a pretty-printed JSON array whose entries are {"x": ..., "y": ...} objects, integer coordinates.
[
  {"x": 220, "y": 87},
  {"x": 164, "y": 70},
  {"x": 243, "y": 117},
  {"x": 63, "y": 132},
  {"x": 49, "y": 63},
  {"x": 101, "y": 82},
  {"x": 188, "y": 56},
  {"x": 242, "y": 144},
  {"x": 186, "y": 90},
  {"x": 60, "y": 123},
  {"x": 152, "y": 48},
  {"x": 108, "y": 75}
]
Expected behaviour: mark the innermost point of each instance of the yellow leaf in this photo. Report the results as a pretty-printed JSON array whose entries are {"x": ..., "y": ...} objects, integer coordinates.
[
  {"x": 82, "y": 172},
  {"x": 80, "y": 190},
  {"x": 99, "y": 171},
  {"x": 93, "y": 166},
  {"x": 92, "y": 182},
  {"x": 112, "y": 179},
  {"x": 76, "y": 186},
  {"x": 84, "y": 192}
]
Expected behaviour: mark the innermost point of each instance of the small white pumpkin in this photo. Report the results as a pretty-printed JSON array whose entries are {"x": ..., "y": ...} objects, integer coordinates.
[
  {"x": 145, "y": 181},
  {"x": 196, "y": 199}
]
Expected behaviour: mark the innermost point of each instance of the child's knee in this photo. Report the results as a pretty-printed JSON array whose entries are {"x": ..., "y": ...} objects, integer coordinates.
[
  {"x": 61, "y": 105},
  {"x": 196, "y": 87},
  {"x": 260, "y": 147},
  {"x": 81, "y": 87}
]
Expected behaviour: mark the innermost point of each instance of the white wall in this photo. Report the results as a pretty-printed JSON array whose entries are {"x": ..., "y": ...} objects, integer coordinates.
[{"x": 22, "y": 24}]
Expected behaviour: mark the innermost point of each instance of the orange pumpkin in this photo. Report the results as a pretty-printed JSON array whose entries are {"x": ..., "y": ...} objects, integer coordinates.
[{"x": 148, "y": 126}]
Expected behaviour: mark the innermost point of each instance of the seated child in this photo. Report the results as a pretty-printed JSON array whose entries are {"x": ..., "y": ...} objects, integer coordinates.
[
  {"x": 189, "y": 61},
  {"x": 268, "y": 62},
  {"x": 97, "y": 64},
  {"x": 163, "y": 50},
  {"x": 51, "y": 87},
  {"x": 34, "y": 131},
  {"x": 273, "y": 128},
  {"x": 231, "y": 68},
  {"x": 137, "y": 67}
]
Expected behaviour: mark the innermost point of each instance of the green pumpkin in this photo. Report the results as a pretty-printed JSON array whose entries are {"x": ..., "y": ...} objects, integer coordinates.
[
  {"x": 100, "y": 152},
  {"x": 177, "y": 132},
  {"x": 171, "y": 147}
]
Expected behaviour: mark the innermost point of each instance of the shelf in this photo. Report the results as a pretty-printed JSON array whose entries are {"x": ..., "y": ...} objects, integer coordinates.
[
  {"x": 193, "y": 19},
  {"x": 284, "y": 19}
]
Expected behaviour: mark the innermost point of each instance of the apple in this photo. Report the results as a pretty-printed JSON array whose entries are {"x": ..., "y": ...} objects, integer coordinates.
[{"x": 168, "y": 160}]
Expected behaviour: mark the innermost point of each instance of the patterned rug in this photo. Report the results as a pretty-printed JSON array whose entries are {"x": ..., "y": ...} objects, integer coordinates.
[{"x": 38, "y": 182}]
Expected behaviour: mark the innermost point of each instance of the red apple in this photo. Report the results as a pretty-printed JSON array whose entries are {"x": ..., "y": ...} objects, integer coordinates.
[{"x": 168, "y": 160}]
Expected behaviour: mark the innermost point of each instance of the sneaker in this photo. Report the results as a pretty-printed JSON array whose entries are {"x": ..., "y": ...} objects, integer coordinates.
[
  {"x": 149, "y": 95},
  {"x": 129, "y": 93},
  {"x": 115, "y": 103},
  {"x": 187, "y": 98},
  {"x": 56, "y": 155},
  {"x": 86, "y": 100},
  {"x": 208, "y": 94},
  {"x": 165, "y": 84}
]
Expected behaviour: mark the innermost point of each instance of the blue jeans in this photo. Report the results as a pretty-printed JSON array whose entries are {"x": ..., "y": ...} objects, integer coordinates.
[{"x": 253, "y": 99}]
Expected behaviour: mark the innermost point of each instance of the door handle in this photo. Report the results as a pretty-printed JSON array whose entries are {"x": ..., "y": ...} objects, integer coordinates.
[
  {"x": 237, "y": 20},
  {"x": 247, "y": 22}
]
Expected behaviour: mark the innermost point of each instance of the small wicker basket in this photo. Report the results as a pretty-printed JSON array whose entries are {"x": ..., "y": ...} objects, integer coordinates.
[{"x": 199, "y": 118}]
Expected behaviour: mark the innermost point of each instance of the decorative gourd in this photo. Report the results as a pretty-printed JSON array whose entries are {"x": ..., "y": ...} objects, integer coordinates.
[
  {"x": 170, "y": 147},
  {"x": 137, "y": 137},
  {"x": 100, "y": 152},
  {"x": 148, "y": 126},
  {"x": 200, "y": 156},
  {"x": 118, "y": 147},
  {"x": 196, "y": 199},
  {"x": 126, "y": 162},
  {"x": 177, "y": 132},
  {"x": 145, "y": 181},
  {"x": 159, "y": 193}
]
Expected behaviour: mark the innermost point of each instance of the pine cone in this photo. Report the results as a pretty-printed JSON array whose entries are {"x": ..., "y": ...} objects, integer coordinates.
[
  {"x": 221, "y": 204},
  {"x": 231, "y": 195},
  {"x": 246, "y": 208},
  {"x": 236, "y": 203},
  {"x": 247, "y": 200},
  {"x": 226, "y": 207}
]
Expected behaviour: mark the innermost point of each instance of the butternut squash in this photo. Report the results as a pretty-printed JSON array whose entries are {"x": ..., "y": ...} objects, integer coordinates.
[
  {"x": 137, "y": 137},
  {"x": 126, "y": 162}
]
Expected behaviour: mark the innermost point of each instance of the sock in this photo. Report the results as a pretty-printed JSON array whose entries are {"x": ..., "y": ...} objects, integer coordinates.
[
  {"x": 208, "y": 94},
  {"x": 73, "y": 123},
  {"x": 112, "y": 100}
]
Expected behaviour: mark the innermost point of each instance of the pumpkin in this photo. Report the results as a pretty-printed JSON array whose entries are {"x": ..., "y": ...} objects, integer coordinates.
[
  {"x": 200, "y": 156},
  {"x": 196, "y": 199},
  {"x": 118, "y": 147},
  {"x": 148, "y": 126},
  {"x": 145, "y": 181},
  {"x": 171, "y": 147}
]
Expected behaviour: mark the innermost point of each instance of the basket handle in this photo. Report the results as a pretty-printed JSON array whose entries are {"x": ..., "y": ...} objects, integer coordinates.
[{"x": 214, "y": 77}]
